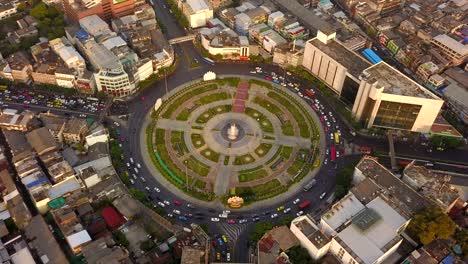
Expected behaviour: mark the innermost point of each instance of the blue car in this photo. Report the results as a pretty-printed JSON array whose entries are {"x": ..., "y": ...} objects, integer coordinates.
[
  {"x": 182, "y": 218},
  {"x": 220, "y": 242},
  {"x": 276, "y": 81}
]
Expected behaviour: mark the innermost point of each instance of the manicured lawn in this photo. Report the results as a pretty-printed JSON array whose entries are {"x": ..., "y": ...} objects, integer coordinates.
[
  {"x": 197, "y": 166},
  {"x": 177, "y": 137},
  {"x": 287, "y": 129},
  {"x": 295, "y": 167},
  {"x": 183, "y": 115},
  {"x": 197, "y": 140},
  {"x": 208, "y": 114},
  {"x": 252, "y": 175},
  {"x": 263, "y": 149},
  {"x": 180, "y": 98},
  {"x": 226, "y": 160},
  {"x": 286, "y": 152},
  {"x": 210, "y": 154},
  {"x": 244, "y": 159},
  {"x": 213, "y": 98},
  {"x": 265, "y": 124},
  {"x": 270, "y": 106}
]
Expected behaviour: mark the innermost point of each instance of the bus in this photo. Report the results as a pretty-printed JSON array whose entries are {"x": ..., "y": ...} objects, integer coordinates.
[
  {"x": 337, "y": 138},
  {"x": 333, "y": 153},
  {"x": 309, "y": 185},
  {"x": 208, "y": 60}
]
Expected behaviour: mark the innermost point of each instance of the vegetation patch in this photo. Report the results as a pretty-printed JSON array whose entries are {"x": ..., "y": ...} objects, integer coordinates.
[
  {"x": 213, "y": 98},
  {"x": 183, "y": 115},
  {"x": 252, "y": 175},
  {"x": 210, "y": 154},
  {"x": 287, "y": 129},
  {"x": 182, "y": 97},
  {"x": 197, "y": 166},
  {"x": 263, "y": 121},
  {"x": 270, "y": 106},
  {"x": 286, "y": 152},
  {"x": 263, "y": 149},
  {"x": 208, "y": 114},
  {"x": 244, "y": 159},
  {"x": 197, "y": 140}
]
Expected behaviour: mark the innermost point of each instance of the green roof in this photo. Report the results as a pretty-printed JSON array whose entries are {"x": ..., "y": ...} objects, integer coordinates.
[{"x": 56, "y": 203}]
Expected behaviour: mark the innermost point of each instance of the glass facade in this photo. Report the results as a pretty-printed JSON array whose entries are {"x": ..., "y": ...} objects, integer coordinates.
[{"x": 396, "y": 115}]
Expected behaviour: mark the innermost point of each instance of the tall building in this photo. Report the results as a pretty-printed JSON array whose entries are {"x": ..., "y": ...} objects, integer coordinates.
[
  {"x": 389, "y": 99},
  {"x": 105, "y": 9}
]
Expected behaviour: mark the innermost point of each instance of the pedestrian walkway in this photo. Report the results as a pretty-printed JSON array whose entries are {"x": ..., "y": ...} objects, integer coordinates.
[{"x": 241, "y": 97}]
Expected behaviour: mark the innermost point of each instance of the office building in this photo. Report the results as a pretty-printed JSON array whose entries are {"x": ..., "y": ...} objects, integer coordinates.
[
  {"x": 389, "y": 99},
  {"x": 105, "y": 9}
]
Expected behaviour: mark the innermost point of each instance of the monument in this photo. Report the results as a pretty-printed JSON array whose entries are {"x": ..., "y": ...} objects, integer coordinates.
[{"x": 233, "y": 132}]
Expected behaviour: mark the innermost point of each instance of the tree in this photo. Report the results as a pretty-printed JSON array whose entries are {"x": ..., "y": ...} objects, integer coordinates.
[
  {"x": 147, "y": 245},
  {"x": 21, "y": 7},
  {"x": 343, "y": 181},
  {"x": 450, "y": 142},
  {"x": 431, "y": 224},
  {"x": 121, "y": 238},
  {"x": 139, "y": 195},
  {"x": 39, "y": 11},
  {"x": 219, "y": 56},
  {"x": 298, "y": 254},
  {"x": 259, "y": 230}
]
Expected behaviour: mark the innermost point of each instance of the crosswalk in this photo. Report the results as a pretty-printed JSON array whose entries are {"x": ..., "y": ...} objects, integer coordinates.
[{"x": 231, "y": 231}]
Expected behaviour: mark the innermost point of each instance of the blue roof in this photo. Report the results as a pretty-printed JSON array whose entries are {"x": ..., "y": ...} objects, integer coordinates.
[
  {"x": 36, "y": 182},
  {"x": 448, "y": 260},
  {"x": 82, "y": 35},
  {"x": 371, "y": 56}
]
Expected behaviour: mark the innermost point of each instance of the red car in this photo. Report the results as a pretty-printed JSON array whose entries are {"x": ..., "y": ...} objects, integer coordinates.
[
  {"x": 325, "y": 128},
  {"x": 215, "y": 244},
  {"x": 268, "y": 78},
  {"x": 122, "y": 139},
  {"x": 231, "y": 221},
  {"x": 177, "y": 203},
  {"x": 321, "y": 119},
  {"x": 142, "y": 98}
]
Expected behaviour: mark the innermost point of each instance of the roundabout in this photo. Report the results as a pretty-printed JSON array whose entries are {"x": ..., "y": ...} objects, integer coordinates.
[{"x": 233, "y": 137}]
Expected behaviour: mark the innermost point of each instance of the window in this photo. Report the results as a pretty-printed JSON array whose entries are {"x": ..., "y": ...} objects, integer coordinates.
[
  {"x": 396, "y": 115},
  {"x": 351, "y": 261},
  {"x": 341, "y": 253}
]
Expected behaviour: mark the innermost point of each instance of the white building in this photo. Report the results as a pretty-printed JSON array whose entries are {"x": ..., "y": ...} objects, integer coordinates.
[
  {"x": 225, "y": 42},
  {"x": 95, "y": 26},
  {"x": 310, "y": 236},
  {"x": 7, "y": 9},
  {"x": 389, "y": 99},
  {"x": 333, "y": 63},
  {"x": 197, "y": 12},
  {"x": 69, "y": 55}
]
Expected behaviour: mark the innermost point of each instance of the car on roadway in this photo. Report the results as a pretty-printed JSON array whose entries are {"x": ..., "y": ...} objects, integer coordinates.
[
  {"x": 138, "y": 165},
  {"x": 177, "y": 203},
  {"x": 132, "y": 181},
  {"x": 296, "y": 201},
  {"x": 170, "y": 215},
  {"x": 325, "y": 161},
  {"x": 161, "y": 204},
  {"x": 214, "y": 219},
  {"x": 147, "y": 189},
  {"x": 166, "y": 202},
  {"x": 228, "y": 257},
  {"x": 134, "y": 176},
  {"x": 274, "y": 216},
  {"x": 116, "y": 124},
  {"x": 300, "y": 213},
  {"x": 323, "y": 195},
  {"x": 128, "y": 164},
  {"x": 256, "y": 219},
  {"x": 242, "y": 221},
  {"x": 268, "y": 78},
  {"x": 215, "y": 244},
  {"x": 190, "y": 206},
  {"x": 287, "y": 210},
  {"x": 231, "y": 221},
  {"x": 182, "y": 218},
  {"x": 281, "y": 208},
  {"x": 253, "y": 71},
  {"x": 224, "y": 238},
  {"x": 156, "y": 189},
  {"x": 143, "y": 179},
  {"x": 175, "y": 211}
]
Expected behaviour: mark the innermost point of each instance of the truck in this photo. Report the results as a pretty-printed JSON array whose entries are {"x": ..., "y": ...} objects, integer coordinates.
[{"x": 304, "y": 204}]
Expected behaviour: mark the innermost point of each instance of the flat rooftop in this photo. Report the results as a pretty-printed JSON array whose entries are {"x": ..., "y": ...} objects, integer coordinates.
[
  {"x": 395, "y": 82},
  {"x": 306, "y": 16},
  {"x": 314, "y": 235},
  {"x": 403, "y": 196},
  {"x": 352, "y": 61}
]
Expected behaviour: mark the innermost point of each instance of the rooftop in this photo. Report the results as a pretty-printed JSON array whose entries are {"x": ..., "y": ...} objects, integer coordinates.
[
  {"x": 452, "y": 44},
  {"x": 342, "y": 211},
  {"x": 41, "y": 239},
  {"x": 373, "y": 231},
  {"x": 349, "y": 59},
  {"x": 395, "y": 82},
  {"x": 41, "y": 140},
  {"x": 311, "y": 232},
  {"x": 197, "y": 5},
  {"x": 404, "y": 197}
]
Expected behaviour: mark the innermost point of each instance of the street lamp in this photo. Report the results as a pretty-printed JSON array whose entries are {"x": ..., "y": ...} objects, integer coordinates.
[{"x": 186, "y": 176}]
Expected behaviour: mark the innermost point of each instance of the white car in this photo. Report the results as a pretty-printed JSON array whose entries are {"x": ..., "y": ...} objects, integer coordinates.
[
  {"x": 138, "y": 165},
  {"x": 161, "y": 204},
  {"x": 131, "y": 181},
  {"x": 228, "y": 256},
  {"x": 156, "y": 189},
  {"x": 170, "y": 215},
  {"x": 167, "y": 202},
  {"x": 143, "y": 179},
  {"x": 214, "y": 219},
  {"x": 175, "y": 211},
  {"x": 323, "y": 195},
  {"x": 325, "y": 161},
  {"x": 128, "y": 164},
  {"x": 131, "y": 160},
  {"x": 242, "y": 221},
  {"x": 296, "y": 201},
  {"x": 287, "y": 210},
  {"x": 136, "y": 170},
  {"x": 116, "y": 124},
  {"x": 147, "y": 189},
  {"x": 253, "y": 71},
  {"x": 300, "y": 213},
  {"x": 274, "y": 215}
]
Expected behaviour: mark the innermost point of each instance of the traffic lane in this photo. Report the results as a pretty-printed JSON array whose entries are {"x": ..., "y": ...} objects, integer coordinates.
[{"x": 38, "y": 108}]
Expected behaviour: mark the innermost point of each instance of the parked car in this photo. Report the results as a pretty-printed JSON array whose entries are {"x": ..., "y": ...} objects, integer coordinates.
[
  {"x": 274, "y": 215},
  {"x": 296, "y": 201}
]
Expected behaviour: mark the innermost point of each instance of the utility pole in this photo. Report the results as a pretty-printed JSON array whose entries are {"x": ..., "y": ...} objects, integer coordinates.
[{"x": 165, "y": 79}]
